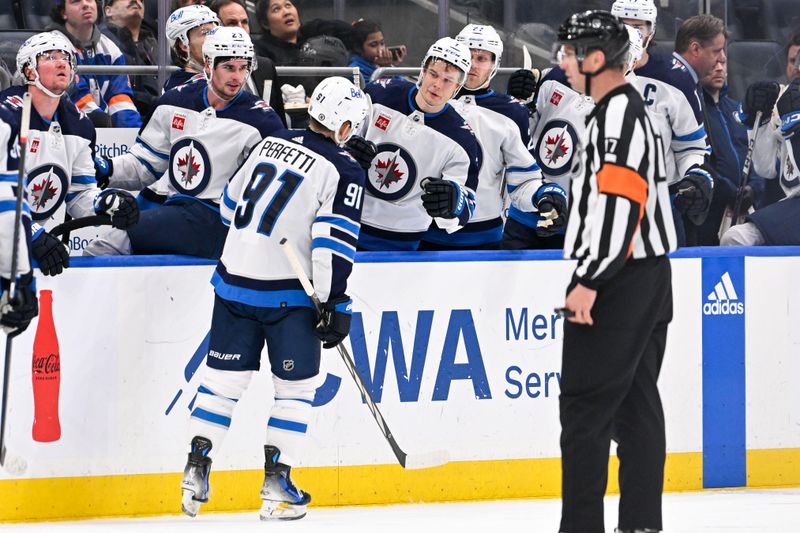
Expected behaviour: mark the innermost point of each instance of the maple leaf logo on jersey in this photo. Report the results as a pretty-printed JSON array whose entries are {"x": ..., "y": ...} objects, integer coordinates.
[
  {"x": 43, "y": 193},
  {"x": 388, "y": 171},
  {"x": 188, "y": 167},
  {"x": 556, "y": 147}
]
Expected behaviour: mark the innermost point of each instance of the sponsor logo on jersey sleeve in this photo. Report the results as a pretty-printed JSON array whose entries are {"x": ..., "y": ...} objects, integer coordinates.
[
  {"x": 382, "y": 122},
  {"x": 392, "y": 174},
  {"x": 46, "y": 190},
  {"x": 556, "y": 97},
  {"x": 178, "y": 121},
  {"x": 189, "y": 166},
  {"x": 34, "y": 146}
]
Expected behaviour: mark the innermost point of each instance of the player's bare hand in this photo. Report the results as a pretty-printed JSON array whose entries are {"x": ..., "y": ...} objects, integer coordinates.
[{"x": 581, "y": 300}]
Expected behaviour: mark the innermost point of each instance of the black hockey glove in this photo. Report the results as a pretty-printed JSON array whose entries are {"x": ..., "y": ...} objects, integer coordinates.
[
  {"x": 103, "y": 170},
  {"x": 17, "y": 314},
  {"x": 789, "y": 109},
  {"x": 50, "y": 253},
  {"x": 761, "y": 96},
  {"x": 522, "y": 84},
  {"x": 334, "y": 321},
  {"x": 694, "y": 193},
  {"x": 362, "y": 150},
  {"x": 120, "y": 205},
  {"x": 551, "y": 202},
  {"x": 445, "y": 198}
]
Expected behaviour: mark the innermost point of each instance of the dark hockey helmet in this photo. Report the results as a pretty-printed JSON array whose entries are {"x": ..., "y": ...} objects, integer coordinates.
[
  {"x": 596, "y": 30},
  {"x": 323, "y": 51}
]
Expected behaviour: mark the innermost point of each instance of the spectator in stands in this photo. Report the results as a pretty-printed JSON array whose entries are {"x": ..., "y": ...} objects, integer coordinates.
[
  {"x": 186, "y": 30},
  {"x": 369, "y": 49},
  {"x": 95, "y": 95},
  {"x": 731, "y": 149},
  {"x": 792, "y": 51},
  {"x": 263, "y": 82},
  {"x": 123, "y": 25},
  {"x": 281, "y": 24}
]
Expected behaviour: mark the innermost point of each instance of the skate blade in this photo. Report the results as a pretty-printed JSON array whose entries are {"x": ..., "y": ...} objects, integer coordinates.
[
  {"x": 189, "y": 505},
  {"x": 281, "y": 511}
]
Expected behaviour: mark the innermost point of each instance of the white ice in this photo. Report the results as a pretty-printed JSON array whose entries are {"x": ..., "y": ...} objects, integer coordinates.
[{"x": 728, "y": 511}]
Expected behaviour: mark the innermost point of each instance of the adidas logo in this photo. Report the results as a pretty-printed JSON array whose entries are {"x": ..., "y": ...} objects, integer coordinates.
[{"x": 723, "y": 300}]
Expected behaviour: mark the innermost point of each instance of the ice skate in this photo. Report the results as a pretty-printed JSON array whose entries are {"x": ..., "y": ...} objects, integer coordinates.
[
  {"x": 195, "y": 488},
  {"x": 282, "y": 500}
]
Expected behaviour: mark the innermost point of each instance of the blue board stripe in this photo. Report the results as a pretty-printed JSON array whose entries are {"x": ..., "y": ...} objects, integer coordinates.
[{"x": 724, "y": 380}]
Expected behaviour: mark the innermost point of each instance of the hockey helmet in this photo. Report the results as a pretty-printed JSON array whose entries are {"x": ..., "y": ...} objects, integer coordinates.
[
  {"x": 449, "y": 50},
  {"x": 186, "y": 18},
  {"x": 635, "y": 46},
  {"x": 637, "y": 10},
  {"x": 323, "y": 51},
  {"x": 37, "y": 45},
  {"x": 225, "y": 42},
  {"x": 483, "y": 38},
  {"x": 596, "y": 30},
  {"x": 336, "y": 101}
]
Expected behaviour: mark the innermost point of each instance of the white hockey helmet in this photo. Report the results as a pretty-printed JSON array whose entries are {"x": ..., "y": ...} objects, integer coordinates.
[
  {"x": 336, "y": 101},
  {"x": 637, "y": 10},
  {"x": 187, "y": 18},
  {"x": 449, "y": 50},
  {"x": 483, "y": 38},
  {"x": 228, "y": 42},
  {"x": 635, "y": 47},
  {"x": 37, "y": 45}
]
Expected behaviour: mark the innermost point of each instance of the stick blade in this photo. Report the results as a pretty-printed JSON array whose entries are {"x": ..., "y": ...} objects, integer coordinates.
[{"x": 415, "y": 461}]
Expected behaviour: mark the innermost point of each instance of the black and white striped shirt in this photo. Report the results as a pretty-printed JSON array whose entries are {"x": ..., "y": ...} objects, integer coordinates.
[{"x": 620, "y": 205}]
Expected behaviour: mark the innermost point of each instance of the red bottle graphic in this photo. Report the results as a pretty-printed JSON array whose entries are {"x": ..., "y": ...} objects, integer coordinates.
[{"x": 46, "y": 373}]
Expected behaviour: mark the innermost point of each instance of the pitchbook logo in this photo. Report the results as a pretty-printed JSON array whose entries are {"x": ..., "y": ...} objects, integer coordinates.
[{"x": 723, "y": 300}]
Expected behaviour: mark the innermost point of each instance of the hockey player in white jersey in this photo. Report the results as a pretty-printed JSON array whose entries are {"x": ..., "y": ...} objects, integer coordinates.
[
  {"x": 196, "y": 138},
  {"x": 427, "y": 162},
  {"x": 776, "y": 155},
  {"x": 59, "y": 161},
  {"x": 303, "y": 186},
  {"x": 501, "y": 125},
  {"x": 16, "y": 313}
]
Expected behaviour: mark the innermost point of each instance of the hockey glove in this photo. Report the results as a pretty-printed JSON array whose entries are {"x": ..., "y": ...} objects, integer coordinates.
[
  {"x": 120, "y": 205},
  {"x": 50, "y": 253},
  {"x": 789, "y": 109},
  {"x": 445, "y": 198},
  {"x": 551, "y": 202},
  {"x": 694, "y": 193},
  {"x": 334, "y": 321},
  {"x": 522, "y": 84},
  {"x": 362, "y": 150},
  {"x": 761, "y": 96},
  {"x": 103, "y": 170},
  {"x": 17, "y": 314}
]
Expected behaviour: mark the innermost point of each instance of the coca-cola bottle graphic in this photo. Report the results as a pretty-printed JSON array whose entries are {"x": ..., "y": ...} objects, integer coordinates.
[{"x": 46, "y": 373}]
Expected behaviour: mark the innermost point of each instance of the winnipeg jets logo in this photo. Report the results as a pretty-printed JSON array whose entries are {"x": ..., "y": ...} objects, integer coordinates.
[
  {"x": 190, "y": 168},
  {"x": 556, "y": 147},
  {"x": 46, "y": 190},
  {"x": 392, "y": 174}
]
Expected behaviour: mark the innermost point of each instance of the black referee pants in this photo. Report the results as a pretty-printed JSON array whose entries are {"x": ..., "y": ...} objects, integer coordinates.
[{"x": 608, "y": 389}]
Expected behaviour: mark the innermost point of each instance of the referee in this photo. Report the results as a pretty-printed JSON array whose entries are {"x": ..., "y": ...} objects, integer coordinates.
[{"x": 620, "y": 230}]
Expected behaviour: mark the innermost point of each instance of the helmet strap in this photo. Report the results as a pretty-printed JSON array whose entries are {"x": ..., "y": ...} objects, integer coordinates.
[{"x": 37, "y": 82}]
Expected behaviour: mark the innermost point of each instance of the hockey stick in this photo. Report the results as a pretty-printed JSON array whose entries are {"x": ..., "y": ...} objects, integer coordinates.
[
  {"x": 13, "y": 464},
  {"x": 77, "y": 223},
  {"x": 734, "y": 217},
  {"x": 421, "y": 460}
]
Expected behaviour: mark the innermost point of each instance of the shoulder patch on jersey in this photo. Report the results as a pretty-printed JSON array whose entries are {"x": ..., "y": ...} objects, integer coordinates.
[
  {"x": 556, "y": 97},
  {"x": 382, "y": 122},
  {"x": 677, "y": 65},
  {"x": 261, "y": 104},
  {"x": 298, "y": 140},
  {"x": 14, "y": 100},
  {"x": 178, "y": 121}
]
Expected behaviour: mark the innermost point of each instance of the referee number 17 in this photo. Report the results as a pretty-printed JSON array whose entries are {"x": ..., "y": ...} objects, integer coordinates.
[{"x": 353, "y": 195}]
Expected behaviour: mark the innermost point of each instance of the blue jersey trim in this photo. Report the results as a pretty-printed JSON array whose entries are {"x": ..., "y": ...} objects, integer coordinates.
[
  {"x": 84, "y": 179},
  {"x": 257, "y": 298},
  {"x": 9, "y": 178},
  {"x": 531, "y": 168},
  {"x": 148, "y": 166},
  {"x": 151, "y": 149},
  {"x": 336, "y": 246},
  {"x": 698, "y": 134},
  {"x": 287, "y": 425},
  {"x": 346, "y": 225},
  {"x": 464, "y": 237},
  {"x": 414, "y": 107},
  {"x": 230, "y": 204}
]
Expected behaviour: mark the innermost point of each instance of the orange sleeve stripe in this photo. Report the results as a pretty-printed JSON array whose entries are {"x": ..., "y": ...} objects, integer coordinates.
[
  {"x": 120, "y": 99},
  {"x": 83, "y": 101},
  {"x": 622, "y": 181}
]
